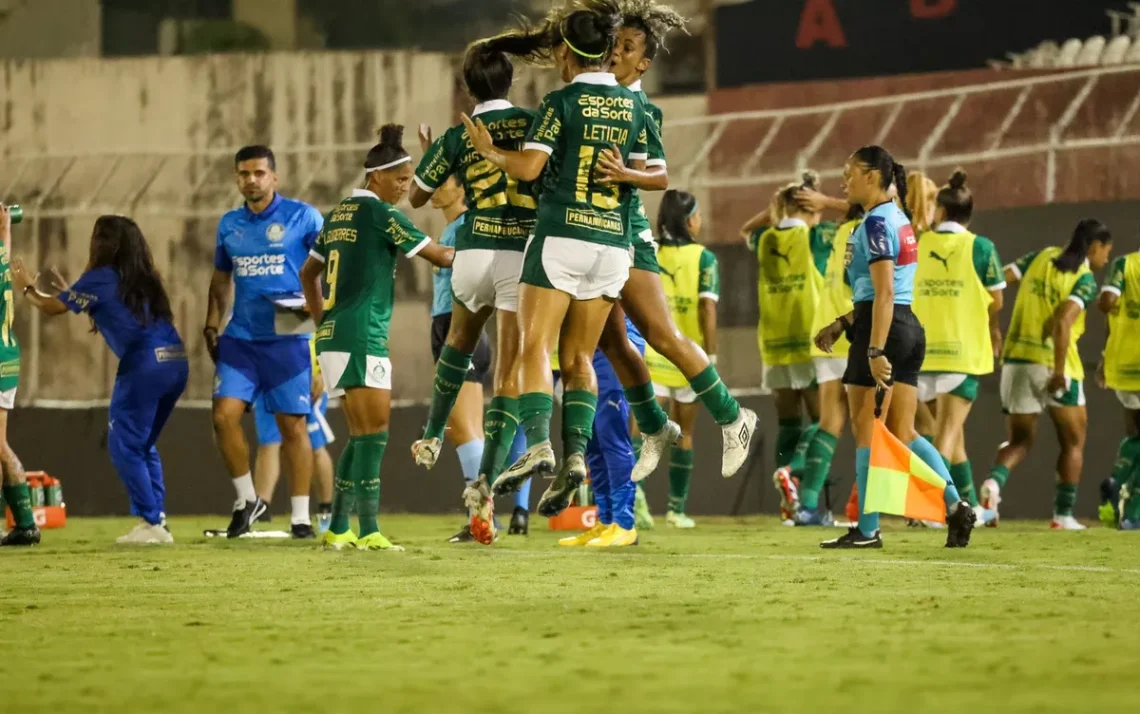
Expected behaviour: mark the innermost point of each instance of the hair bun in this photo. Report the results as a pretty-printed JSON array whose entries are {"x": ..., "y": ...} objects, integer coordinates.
[
  {"x": 957, "y": 179},
  {"x": 810, "y": 179},
  {"x": 392, "y": 136}
]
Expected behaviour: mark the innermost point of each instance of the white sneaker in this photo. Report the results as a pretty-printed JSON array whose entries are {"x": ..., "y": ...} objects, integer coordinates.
[
  {"x": 1066, "y": 523},
  {"x": 653, "y": 448},
  {"x": 426, "y": 452},
  {"x": 737, "y": 440},
  {"x": 146, "y": 534},
  {"x": 991, "y": 498},
  {"x": 679, "y": 520}
]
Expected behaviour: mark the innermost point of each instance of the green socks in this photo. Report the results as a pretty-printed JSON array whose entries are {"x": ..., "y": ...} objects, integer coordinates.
[
  {"x": 648, "y": 414},
  {"x": 799, "y": 457},
  {"x": 963, "y": 476},
  {"x": 1065, "y": 499},
  {"x": 787, "y": 437},
  {"x": 1126, "y": 471},
  {"x": 500, "y": 424},
  {"x": 1000, "y": 474},
  {"x": 343, "y": 491},
  {"x": 714, "y": 395},
  {"x": 817, "y": 465},
  {"x": 450, "y": 371},
  {"x": 637, "y": 442},
  {"x": 19, "y": 499},
  {"x": 534, "y": 412},
  {"x": 369, "y": 454},
  {"x": 680, "y": 473},
  {"x": 578, "y": 409}
]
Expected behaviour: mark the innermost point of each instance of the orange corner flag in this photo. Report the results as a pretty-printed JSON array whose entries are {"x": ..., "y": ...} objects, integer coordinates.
[{"x": 900, "y": 483}]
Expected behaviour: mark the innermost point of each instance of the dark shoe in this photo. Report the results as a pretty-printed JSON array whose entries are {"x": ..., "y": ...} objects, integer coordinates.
[
  {"x": 558, "y": 495},
  {"x": 463, "y": 536},
  {"x": 302, "y": 531},
  {"x": 244, "y": 518},
  {"x": 22, "y": 536},
  {"x": 520, "y": 522},
  {"x": 853, "y": 540},
  {"x": 265, "y": 517},
  {"x": 959, "y": 525}
]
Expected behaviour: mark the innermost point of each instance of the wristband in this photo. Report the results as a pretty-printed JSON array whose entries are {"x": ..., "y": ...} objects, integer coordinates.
[
  {"x": 875, "y": 353},
  {"x": 844, "y": 322}
]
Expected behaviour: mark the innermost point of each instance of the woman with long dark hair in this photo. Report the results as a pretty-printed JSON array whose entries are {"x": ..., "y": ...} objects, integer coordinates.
[{"x": 123, "y": 294}]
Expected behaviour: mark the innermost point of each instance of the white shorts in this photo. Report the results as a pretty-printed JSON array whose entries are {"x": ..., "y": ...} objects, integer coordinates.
[
  {"x": 8, "y": 399},
  {"x": 1130, "y": 400},
  {"x": 487, "y": 278},
  {"x": 931, "y": 385},
  {"x": 1023, "y": 390},
  {"x": 829, "y": 369},
  {"x": 582, "y": 270},
  {"x": 681, "y": 395},
  {"x": 789, "y": 376},
  {"x": 346, "y": 370}
]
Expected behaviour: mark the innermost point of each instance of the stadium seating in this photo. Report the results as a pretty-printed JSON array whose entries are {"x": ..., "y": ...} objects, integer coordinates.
[
  {"x": 1091, "y": 51},
  {"x": 1117, "y": 50}
]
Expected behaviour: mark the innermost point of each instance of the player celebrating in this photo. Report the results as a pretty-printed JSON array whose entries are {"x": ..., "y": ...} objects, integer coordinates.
[
  {"x": 15, "y": 483},
  {"x": 261, "y": 247},
  {"x": 691, "y": 281},
  {"x": 1041, "y": 368},
  {"x": 356, "y": 253},
  {"x": 123, "y": 294},
  {"x": 1120, "y": 371},
  {"x": 882, "y": 259},
  {"x": 958, "y": 299}
]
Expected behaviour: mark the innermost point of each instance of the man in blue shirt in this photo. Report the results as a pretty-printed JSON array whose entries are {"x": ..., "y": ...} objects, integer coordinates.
[{"x": 260, "y": 250}]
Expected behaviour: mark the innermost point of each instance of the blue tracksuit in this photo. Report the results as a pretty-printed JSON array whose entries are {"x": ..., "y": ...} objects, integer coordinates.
[
  {"x": 152, "y": 376},
  {"x": 265, "y": 252}
]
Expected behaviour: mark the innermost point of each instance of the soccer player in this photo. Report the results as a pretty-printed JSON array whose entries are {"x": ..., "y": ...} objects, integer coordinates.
[
  {"x": 1041, "y": 368},
  {"x": 1120, "y": 371},
  {"x": 15, "y": 482},
  {"x": 691, "y": 280},
  {"x": 958, "y": 299},
  {"x": 261, "y": 247},
  {"x": 881, "y": 261},
  {"x": 356, "y": 254},
  {"x": 122, "y": 293}
]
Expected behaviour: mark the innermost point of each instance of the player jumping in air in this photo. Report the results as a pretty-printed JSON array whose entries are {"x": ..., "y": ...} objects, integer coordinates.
[
  {"x": 356, "y": 254},
  {"x": 122, "y": 293},
  {"x": 261, "y": 247}
]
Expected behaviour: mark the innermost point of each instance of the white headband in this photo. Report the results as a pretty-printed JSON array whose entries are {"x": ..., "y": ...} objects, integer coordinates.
[{"x": 388, "y": 165}]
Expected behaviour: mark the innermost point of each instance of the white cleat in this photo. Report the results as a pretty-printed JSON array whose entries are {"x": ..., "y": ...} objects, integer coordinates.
[
  {"x": 1066, "y": 523},
  {"x": 653, "y": 447},
  {"x": 426, "y": 452},
  {"x": 737, "y": 441},
  {"x": 991, "y": 499},
  {"x": 536, "y": 461},
  {"x": 146, "y": 534},
  {"x": 679, "y": 520}
]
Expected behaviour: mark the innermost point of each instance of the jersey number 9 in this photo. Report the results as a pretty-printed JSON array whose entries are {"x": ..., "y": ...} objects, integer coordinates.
[
  {"x": 331, "y": 270},
  {"x": 606, "y": 198},
  {"x": 484, "y": 177}
]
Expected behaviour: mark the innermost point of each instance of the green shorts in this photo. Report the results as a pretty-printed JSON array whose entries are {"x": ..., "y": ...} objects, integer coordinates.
[
  {"x": 645, "y": 256},
  {"x": 581, "y": 269},
  {"x": 931, "y": 385}
]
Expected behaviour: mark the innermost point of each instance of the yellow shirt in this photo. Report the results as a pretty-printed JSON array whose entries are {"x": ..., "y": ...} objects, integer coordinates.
[
  {"x": 835, "y": 293},
  {"x": 1122, "y": 353},
  {"x": 688, "y": 273},
  {"x": 789, "y": 289}
]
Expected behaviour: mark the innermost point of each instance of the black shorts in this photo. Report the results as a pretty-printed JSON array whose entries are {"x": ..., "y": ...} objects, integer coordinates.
[
  {"x": 480, "y": 361},
  {"x": 905, "y": 348}
]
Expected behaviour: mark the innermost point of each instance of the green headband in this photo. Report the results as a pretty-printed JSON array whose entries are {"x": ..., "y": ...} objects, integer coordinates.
[{"x": 577, "y": 51}]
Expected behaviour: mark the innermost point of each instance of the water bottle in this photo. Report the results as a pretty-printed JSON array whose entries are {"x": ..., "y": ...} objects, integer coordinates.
[{"x": 17, "y": 214}]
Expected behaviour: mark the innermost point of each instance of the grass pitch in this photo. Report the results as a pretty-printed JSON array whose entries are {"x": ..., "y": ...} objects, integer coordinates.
[{"x": 736, "y": 616}]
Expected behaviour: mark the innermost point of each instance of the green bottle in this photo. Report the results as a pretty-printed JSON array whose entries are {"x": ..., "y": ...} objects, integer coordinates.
[{"x": 17, "y": 214}]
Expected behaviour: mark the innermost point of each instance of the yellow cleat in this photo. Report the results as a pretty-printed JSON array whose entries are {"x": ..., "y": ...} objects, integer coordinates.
[
  {"x": 614, "y": 537},
  {"x": 583, "y": 538},
  {"x": 377, "y": 541},
  {"x": 338, "y": 542}
]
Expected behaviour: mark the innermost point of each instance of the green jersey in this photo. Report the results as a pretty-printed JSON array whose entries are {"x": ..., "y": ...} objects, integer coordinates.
[
  {"x": 358, "y": 245},
  {"x": 500, "y": 210},
  {"x": 639, "y": 221},
  {"x": 575, "y": 125},
  {"x": 9, "y": 348}
]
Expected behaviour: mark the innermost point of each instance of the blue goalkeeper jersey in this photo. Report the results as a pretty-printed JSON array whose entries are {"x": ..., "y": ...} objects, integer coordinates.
[
  {"x": 97, "y": 293},
  {"x": 264, "y": 252}
]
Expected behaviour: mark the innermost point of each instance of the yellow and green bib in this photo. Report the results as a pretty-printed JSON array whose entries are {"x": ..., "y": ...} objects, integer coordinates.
[
  {"x": 953, "y": 305},
  {"x": 789, "y": 289},
  {"x": 681, "y": 279}
]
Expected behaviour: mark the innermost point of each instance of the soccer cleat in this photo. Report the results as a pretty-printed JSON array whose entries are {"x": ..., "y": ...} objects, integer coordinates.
[
  {"x": 789, "y": 493},
  {"x": 1066, "y": 523},
  {"x": 377, "y": 541},
  {"x": 481, "y": 505},
  {"x": 463, "y": 536},
  {"x": 737, "y": 441},
  {"x": 1125, "y": 525},
  {"x": 583, "y": 538},
  {"x": 339, "y": 541},
  {"x": 679, "y": 520},
  {"x": 614, "y": 537},
  {"x": 642, "y": 518},
  {"x": 302, "y": 531},
  {"x": 245, "y": 515},
  {"x": 520, "y": 522},
  {"x": 266, "y": 516},
  {"x": 991, "y": 498},
  {"x": 538, "y": 460},
  {"x": 426, "y": 452},
  {"x": 558, "y": 494},
  {"x": 1110, "y": 500},
  {"x": 146, "y": 534},
  {"x": 324, "y": 520},
  {"x": 854, "y": 539},
  {"x": 653, "y": 447},
  {"x": 818, "y": 517},
  {"x": 21, "y": 536},
  {"x": 960, "y": 524}
]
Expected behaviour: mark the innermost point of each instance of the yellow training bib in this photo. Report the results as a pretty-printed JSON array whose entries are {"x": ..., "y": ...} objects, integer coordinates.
[
  {"x": 1043, "y": 288},
  {"x": 789, "y": 291},
  {"x": 680, "y": 278},
  {"x": 1122, "y": 353},
  {"x": 953, "y": 305},
  {"x": 835, "y": 293}
]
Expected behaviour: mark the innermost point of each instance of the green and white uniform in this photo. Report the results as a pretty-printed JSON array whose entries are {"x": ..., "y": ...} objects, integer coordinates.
[
  {"x": 358, "y": 245},
  {"x": 581, "y": 244},
  {"x": 644, "y": 246},
  {"x": 9, "y": 347},
  {"x": 501, "y": 211}
]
